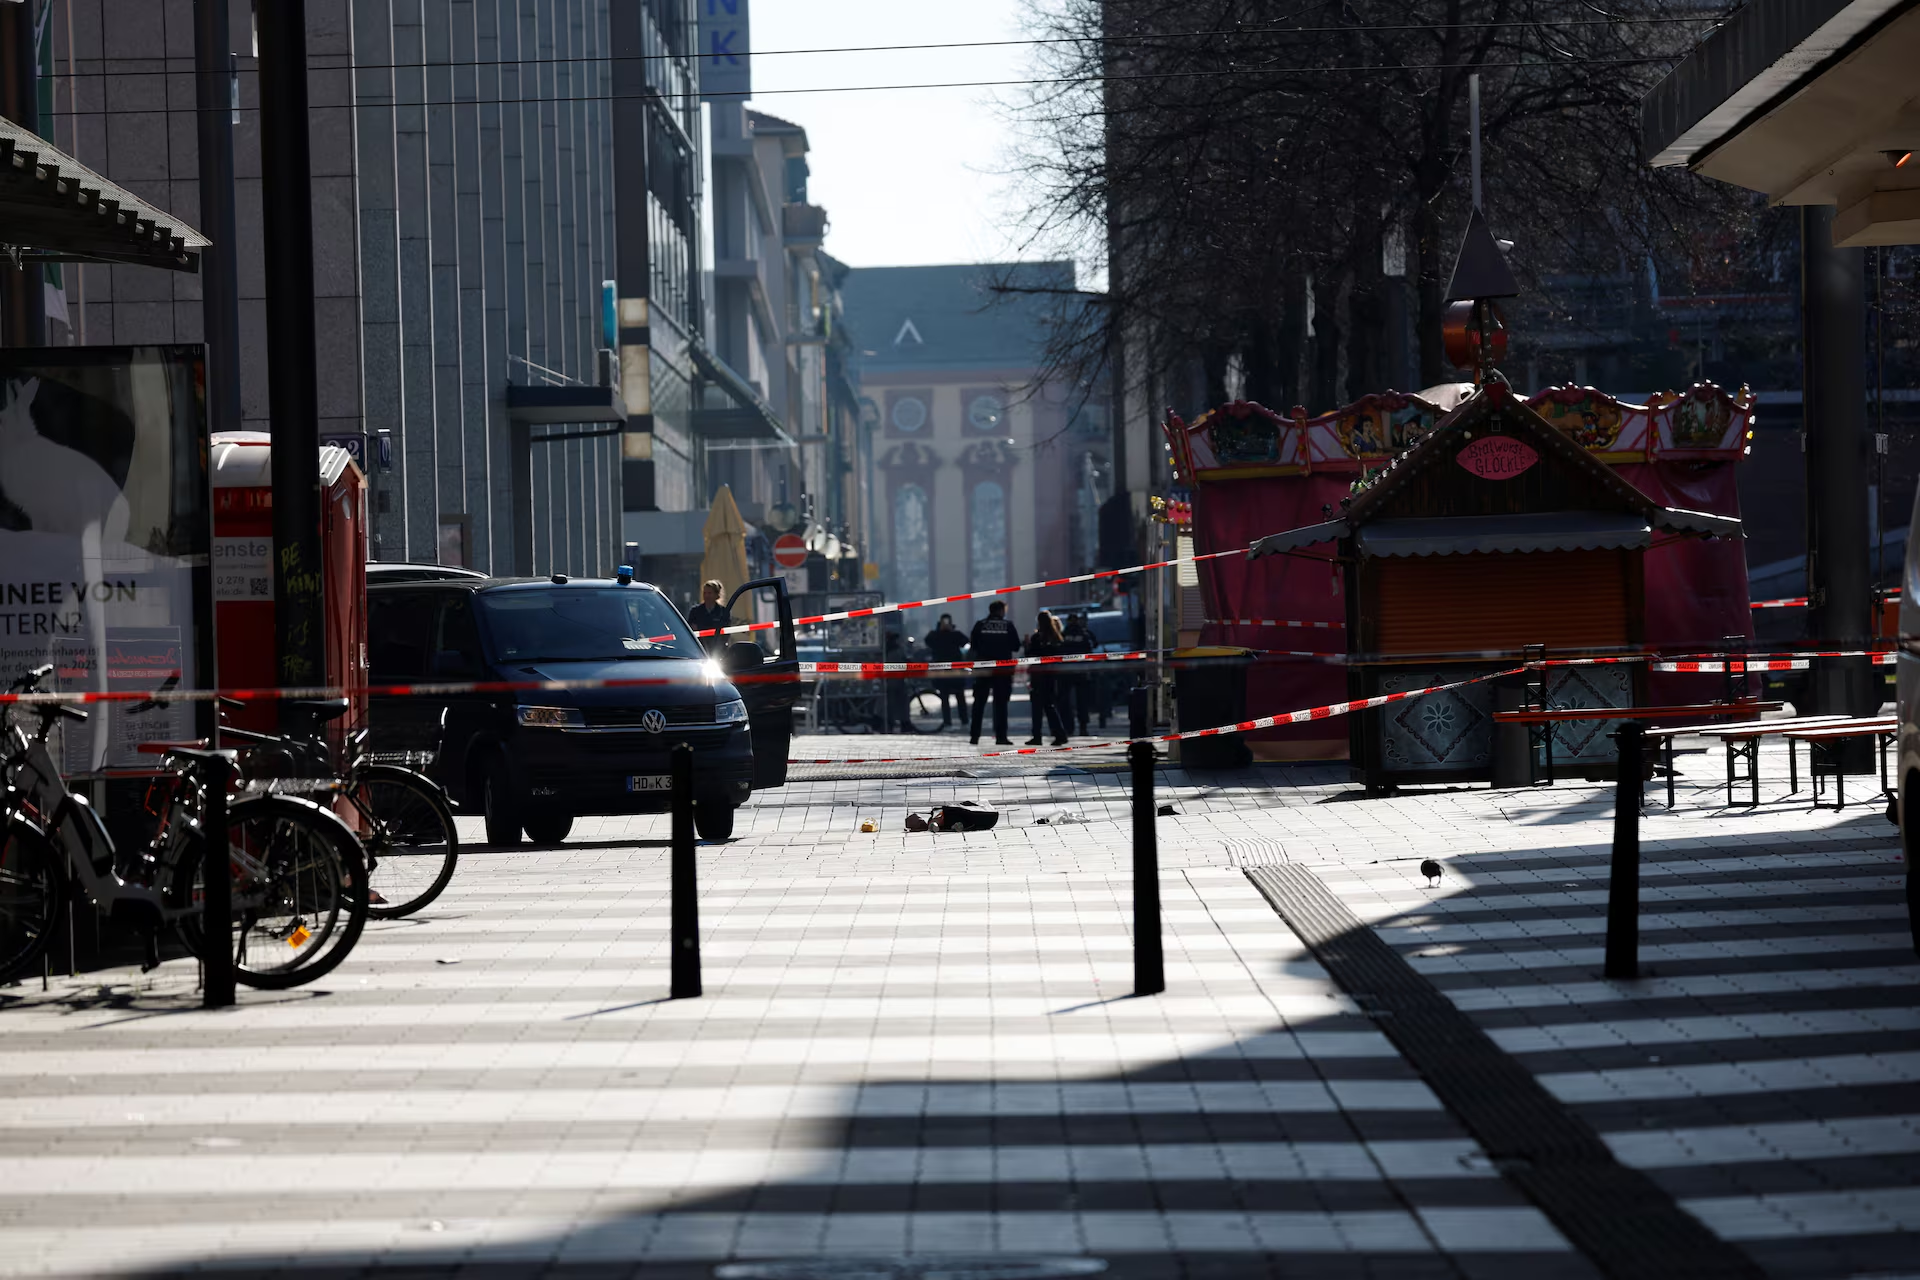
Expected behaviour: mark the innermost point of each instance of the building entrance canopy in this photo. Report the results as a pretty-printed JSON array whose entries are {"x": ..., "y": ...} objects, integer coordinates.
[
  {"x": 1808, "y": 101},
  {"x": 55, "y": 209}
]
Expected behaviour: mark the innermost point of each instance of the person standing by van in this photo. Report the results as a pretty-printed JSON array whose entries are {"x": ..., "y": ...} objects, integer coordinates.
[
  {"x": 710, "y": 614},
  {"x": 993, "y": 639}
]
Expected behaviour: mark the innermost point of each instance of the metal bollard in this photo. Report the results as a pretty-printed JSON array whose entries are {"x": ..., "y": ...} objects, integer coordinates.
[
  {"x": 1623, "y": 884},
  {"x": 1139, "y": 711},
  {"x": 216, "y": 895},
  {"x": 685, "y": 929},
  {"x": 1149, "y": 959}
]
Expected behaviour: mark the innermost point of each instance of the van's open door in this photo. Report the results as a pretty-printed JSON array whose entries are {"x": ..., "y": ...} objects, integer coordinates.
[{"x": 769, "y": 685}]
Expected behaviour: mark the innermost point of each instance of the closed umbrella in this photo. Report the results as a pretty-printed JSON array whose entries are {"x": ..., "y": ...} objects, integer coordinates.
[{"x": 725, "y": 532}]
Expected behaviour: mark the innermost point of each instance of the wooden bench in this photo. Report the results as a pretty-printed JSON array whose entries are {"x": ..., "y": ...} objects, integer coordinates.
[
  {"x": 1742, "y": 742},
  {"x": 1550, "y": 715},
  {"x": 1824, "y": 740}
]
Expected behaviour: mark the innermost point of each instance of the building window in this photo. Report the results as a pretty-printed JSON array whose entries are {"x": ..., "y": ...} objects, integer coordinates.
[
  {"x": 986, "y": 413},
  {"x": 912, "y": 548},
  {"x": 987, "y": 546},
  {"x": 909, "y": 413}
]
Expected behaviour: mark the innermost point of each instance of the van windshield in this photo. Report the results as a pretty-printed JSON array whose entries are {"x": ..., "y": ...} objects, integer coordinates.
[{"x": 584, "y": 624}]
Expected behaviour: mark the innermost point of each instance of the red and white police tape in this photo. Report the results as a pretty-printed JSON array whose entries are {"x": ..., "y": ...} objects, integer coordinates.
[
  {"x": 1275, "y": 622},
  {"x": 903, "y": 606},
  {"x": 1327, "y": 712}
]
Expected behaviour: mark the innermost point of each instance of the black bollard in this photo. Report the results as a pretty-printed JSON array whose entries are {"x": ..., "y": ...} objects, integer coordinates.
[
  {"x": 216, "y": 879},
  {"x": 1149, "y": 959},
  {"x": 686, "y": 909},
  {"x": 1623, "y": 885},
  {"x": 1138, "y": 712}
]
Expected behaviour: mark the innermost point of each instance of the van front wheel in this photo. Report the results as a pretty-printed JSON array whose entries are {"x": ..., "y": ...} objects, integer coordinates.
[{"x": 713, "y": 820}]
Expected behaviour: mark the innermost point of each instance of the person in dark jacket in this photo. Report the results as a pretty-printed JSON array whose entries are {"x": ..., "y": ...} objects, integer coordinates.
[
  {"x": 710, "y": 614},
  {"x": 1043, "y": 682},
  {"x": 993, "y": 639},
  {"x": 948, "y": 643},
  {"x": 1075, "y": 681}
]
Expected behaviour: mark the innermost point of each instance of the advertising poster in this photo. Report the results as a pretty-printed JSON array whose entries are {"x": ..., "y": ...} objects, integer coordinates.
[{"x": 104, "y": 536}]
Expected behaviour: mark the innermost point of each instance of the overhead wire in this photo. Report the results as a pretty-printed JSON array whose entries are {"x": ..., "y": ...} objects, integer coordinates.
[
  {"x": 660, "y": 96},
  {"x": 1028, "y": 42}
]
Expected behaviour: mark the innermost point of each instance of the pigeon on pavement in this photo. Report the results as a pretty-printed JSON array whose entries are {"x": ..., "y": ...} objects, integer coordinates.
[{"x": 1431, "y": 870}]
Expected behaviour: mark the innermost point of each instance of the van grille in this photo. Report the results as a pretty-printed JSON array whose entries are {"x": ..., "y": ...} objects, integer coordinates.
[{"x": 629, "y": 717}]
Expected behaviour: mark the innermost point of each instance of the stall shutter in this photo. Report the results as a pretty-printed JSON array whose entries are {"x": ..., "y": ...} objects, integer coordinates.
[{"x": 1504, "y": 601}]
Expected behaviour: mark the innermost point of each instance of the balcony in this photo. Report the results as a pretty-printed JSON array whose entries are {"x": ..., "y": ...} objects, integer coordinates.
[{"x": 803, "y": 225}]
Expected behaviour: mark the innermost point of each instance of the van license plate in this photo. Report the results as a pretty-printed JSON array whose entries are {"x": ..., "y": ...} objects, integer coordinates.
[{"x": 650, "y": 782}]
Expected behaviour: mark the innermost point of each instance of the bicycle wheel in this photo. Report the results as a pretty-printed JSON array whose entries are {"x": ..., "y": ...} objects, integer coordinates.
[
  {"x": 33, "y": 887},
  {"x": 299, "y": 890},
  {"x": 407, "y": 829}
]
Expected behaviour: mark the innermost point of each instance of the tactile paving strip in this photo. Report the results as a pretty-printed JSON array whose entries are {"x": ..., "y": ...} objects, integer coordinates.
[{"x": 1617, "y": 1216}]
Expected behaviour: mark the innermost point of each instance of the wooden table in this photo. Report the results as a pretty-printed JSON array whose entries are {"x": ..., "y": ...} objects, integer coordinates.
[{"x": 1823, "y": 739}]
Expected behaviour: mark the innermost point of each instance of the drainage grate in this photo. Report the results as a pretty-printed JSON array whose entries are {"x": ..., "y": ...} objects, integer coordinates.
[
  {"x": 1617, "y": 1216},
  {"x": 921, "y": 1267}
]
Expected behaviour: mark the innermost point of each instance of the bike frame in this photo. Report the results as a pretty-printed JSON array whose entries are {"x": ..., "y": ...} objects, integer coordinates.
[{"x": 70, "y": 822}]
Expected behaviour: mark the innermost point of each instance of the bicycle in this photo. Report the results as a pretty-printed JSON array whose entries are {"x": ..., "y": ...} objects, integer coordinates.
[
  {"x": 299, "y": 879},
  {"x": 402, "y": 817}
]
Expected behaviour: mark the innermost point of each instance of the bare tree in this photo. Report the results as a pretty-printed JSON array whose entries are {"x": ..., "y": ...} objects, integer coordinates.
[{"x": 1241, "y": 169}]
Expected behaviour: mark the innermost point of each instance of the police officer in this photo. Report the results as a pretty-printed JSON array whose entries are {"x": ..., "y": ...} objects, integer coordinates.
[{"x": 993, "y": 639}]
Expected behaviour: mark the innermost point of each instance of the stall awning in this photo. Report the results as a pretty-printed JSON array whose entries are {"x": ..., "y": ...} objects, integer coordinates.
[
  {"x": 1471, "y": 535},
  {"x": 55, "y": 209},
  {"x": 1467, "y": 535},
  {"x": 1679, "y": 520},
  {"x": 749, "y": 417},
  {"x": 1293, "y": 539}
]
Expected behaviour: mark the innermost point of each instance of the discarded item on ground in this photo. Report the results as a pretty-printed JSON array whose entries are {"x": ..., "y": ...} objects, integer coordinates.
[
  {"x": 868, "y": 826},
  {"x": 1431, "y": 870},
  {"x": 967, "y": 815},
  {"x": 1167, "y": 811},
  {"x": 1060, "y": 819},
  {"x": 963, "y": 815}
]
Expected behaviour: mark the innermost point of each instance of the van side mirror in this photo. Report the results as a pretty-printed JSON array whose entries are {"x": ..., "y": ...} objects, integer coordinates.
[{"x": 742, "y": 655}]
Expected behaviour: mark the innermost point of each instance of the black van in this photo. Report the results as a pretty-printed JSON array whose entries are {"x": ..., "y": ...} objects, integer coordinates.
[{"x": 533, "y": 761}]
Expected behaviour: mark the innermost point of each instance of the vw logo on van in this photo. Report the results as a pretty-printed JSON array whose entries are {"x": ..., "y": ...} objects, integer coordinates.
[{"x": 654, "y": 721}]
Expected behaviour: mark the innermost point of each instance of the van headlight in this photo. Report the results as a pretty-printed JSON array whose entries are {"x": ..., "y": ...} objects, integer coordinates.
[
  {"x": 551, "y": 717},
  {"x": 734, "y": 712}
]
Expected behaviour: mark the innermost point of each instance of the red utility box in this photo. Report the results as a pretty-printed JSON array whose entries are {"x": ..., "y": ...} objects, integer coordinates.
[{"x": 243, "y": 572}]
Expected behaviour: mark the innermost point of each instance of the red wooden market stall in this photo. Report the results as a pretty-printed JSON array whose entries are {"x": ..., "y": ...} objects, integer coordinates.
[{"x": 1254, "y": 473}]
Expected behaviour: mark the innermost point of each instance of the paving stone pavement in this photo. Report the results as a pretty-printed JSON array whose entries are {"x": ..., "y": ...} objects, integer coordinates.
[{"x": 924, "y": 1044}]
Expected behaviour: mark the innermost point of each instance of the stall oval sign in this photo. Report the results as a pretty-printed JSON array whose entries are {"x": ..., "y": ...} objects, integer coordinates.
[{"x": 1497, "y": 457}]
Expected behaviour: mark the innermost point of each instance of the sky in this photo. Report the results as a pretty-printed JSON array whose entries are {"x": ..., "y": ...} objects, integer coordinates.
[{"x": 908, "y": 177}]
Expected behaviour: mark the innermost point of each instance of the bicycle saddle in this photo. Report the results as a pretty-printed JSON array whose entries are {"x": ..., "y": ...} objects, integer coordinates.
[{"x": 320, "y": 709}]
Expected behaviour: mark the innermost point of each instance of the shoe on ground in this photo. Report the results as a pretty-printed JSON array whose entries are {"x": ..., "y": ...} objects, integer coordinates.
[
  {"x": 1060, "y": 741},
  {"x": 1033, "y": 742},
  {"x": 975, "y": 739},
  {"x": 1005, "y": 742}
]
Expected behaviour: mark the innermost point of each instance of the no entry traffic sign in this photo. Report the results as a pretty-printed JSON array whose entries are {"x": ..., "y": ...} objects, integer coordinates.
[{"x": 789, "y": 551}]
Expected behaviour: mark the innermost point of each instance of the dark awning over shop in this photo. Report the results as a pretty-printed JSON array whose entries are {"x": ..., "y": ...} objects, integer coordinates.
[
  {"x": 748, "y": 417},
  {"x": 55, "y": 209},
  {"x": 540, "y": 406},
  {"x": 1467, "y": 535}
]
